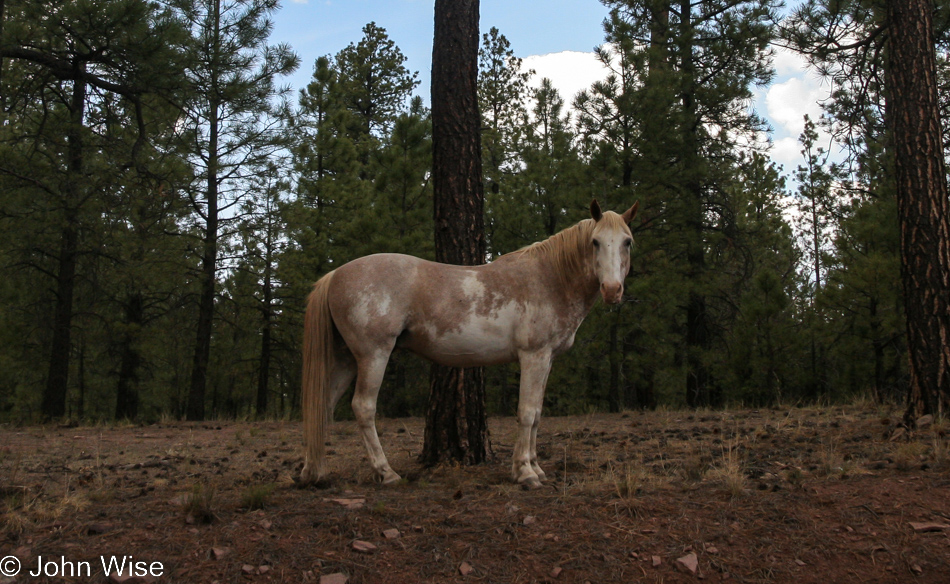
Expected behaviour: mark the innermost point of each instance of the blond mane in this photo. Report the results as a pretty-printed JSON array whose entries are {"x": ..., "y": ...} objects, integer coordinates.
[{"x": 569, "y": 250}]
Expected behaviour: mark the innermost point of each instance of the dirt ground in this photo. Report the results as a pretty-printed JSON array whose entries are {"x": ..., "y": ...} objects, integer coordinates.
[{"x": 785, "y": 495}]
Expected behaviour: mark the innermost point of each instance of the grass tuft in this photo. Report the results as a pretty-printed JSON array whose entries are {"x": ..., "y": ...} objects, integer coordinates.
[
  {"x": 729, "y": 473},
  {"x": 199, "y": 504},
  {"x": 255, "y": 496}
]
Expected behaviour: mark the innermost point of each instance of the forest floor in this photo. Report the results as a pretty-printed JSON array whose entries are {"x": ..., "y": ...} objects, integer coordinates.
[{"x": 822, "y": 494}]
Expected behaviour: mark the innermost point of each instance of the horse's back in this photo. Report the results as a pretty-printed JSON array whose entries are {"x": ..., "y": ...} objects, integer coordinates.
[{"x": 372, "y": 295}]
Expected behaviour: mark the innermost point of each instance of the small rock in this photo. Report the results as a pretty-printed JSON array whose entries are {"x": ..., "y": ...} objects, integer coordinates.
[
  {"x": 688, "y": 563},
  {"x": 556, "y": 571},
  {"x": 263, "y": 569},
  {"x": 657, "y": 560},
  {"x": 712, "y": 549},
  {"x": 266, "y": 523},
  {"x": 337, "y": 578},
  {"x": 530, "y": 520},
  {"x": 363, "y": 547},
  {"x": 391, "y": 533},
  {"x": 219, "y": 553},
  {"x": 248, "y": 569},
  {"x": 465, "y": 569},
  {"x": 799, "y": 562},
  {"x": 924, "y": 421},
  {"x": 927, "y": 527},
  {"x": 98, "y": 528},
  {"x": 350, "y": 504}
]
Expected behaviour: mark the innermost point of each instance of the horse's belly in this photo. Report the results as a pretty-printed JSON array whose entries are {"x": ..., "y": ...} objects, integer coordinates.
[{"x": 470, "y": 346}]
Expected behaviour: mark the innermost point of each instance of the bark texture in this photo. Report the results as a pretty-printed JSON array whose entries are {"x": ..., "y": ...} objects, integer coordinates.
[
  {"x": 456, "y": 422},
  {"x": 913, "y": 117}
]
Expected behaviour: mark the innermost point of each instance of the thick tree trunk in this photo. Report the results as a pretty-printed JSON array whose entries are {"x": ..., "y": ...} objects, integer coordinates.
[
  {"x": 913, "y": 116},
  {"x": 57, "y": 380},
  {"x": 456, "y": 423}
]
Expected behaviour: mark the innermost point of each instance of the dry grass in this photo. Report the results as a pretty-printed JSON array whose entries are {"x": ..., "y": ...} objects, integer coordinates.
[
  {"x": 199, "y": 504},
  {"x": 729, "y": 473},
  {"x": 763, "y": 488}
]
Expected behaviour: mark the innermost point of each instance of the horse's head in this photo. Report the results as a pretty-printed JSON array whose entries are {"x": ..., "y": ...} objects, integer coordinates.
[{"x": 612, "y": 240}]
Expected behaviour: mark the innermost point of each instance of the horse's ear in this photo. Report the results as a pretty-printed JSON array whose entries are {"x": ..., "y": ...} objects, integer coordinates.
[
  {"x": 595, "y": 211},
  {"x": 630, "y": 213}
]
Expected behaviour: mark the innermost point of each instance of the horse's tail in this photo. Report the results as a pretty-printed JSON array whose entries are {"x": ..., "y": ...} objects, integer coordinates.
[{"x": 318, "y": 365}]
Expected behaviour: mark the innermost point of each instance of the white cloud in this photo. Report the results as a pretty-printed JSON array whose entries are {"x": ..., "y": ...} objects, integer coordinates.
[
  {"x": 788, "y": 102},
  {"x": 783, "y": 104},
  {"x": 569, "y": 71},
  {"x": 788, "y": 62},
  {"x": 788, "y": 153}
]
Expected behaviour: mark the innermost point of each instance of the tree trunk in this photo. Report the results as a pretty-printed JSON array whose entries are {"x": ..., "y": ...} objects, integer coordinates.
[
  {"x": 456, "y": 422},
  {"x": 209, "y": 257},
  {"x": 615, "y": 397},
  {"x": 127, "y": 394},
  {"x": 209, "y": 260},
  {"x": 913, "y": 116},
  {"x": 263, "y": 374},
  {"x": 57, "y": 380},
  {"x": 698, "y": 393}
]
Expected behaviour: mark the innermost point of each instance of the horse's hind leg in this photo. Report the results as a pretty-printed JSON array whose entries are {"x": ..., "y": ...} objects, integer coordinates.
[
  {"x": 343, "y": 374},
  {"x": 370, "y": 376}
]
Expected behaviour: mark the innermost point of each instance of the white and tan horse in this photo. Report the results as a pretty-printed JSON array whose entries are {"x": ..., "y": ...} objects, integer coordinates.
[{"x": 524, "y": 306}]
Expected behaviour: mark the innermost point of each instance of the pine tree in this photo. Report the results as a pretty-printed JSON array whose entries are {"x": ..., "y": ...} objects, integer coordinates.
[
  {"x": 456, "y": 423},
  {"x": 231, "y": 116},
  {"x": 688, "y": 67},
  {"x": 83, "y": 66},
  {"x": 890, "y": 51},
  {"x": 923, "y": 204},
  {"x": 502, "y": 93}
]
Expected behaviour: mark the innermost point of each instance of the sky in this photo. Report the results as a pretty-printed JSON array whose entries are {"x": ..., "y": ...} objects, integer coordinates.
[{"x": 556, "y": 38}]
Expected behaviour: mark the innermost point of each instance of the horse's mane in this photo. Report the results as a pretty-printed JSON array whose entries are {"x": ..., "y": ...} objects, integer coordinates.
[{"x": 568, "y": 250}]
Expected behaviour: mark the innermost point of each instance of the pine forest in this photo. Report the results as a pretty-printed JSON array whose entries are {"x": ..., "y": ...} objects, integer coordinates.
[{"x": 167, "y": 200}]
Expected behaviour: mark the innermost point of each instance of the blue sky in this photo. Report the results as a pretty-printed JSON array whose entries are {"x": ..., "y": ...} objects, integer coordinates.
[
  {"x": 324, "y": 27},
  {"x": 554, "y": 37}
]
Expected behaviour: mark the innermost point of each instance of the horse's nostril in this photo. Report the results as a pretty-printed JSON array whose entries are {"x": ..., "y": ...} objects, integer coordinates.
[{"x": 611, "y": 291}]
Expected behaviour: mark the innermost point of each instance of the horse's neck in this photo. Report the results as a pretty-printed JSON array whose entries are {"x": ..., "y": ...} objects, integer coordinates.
[{"x": 576, "y": 282}]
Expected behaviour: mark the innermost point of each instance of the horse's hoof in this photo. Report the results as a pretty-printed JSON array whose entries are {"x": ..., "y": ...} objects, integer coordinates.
[
  {"x": 531, "y": 484},
  {"x": 390, "y": 478},
  {"x": 309, "y": 476},
  {"x": 308, "y": 481}
]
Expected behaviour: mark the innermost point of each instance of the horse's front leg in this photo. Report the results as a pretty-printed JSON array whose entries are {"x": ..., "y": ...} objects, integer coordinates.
[{"x": 534, "y": 376}]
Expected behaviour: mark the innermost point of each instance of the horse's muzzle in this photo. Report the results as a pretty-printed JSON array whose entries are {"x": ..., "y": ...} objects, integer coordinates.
[{"x": 611, "y": 293}]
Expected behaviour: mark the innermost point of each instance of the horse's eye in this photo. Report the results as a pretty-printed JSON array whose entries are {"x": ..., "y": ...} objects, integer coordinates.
[
  {"x": 596, "y": 244},
  {"x": 627, "y": 243}
]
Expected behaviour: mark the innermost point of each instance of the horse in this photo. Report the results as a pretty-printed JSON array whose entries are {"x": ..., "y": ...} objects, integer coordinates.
[{"x": 524, "y": 306}]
